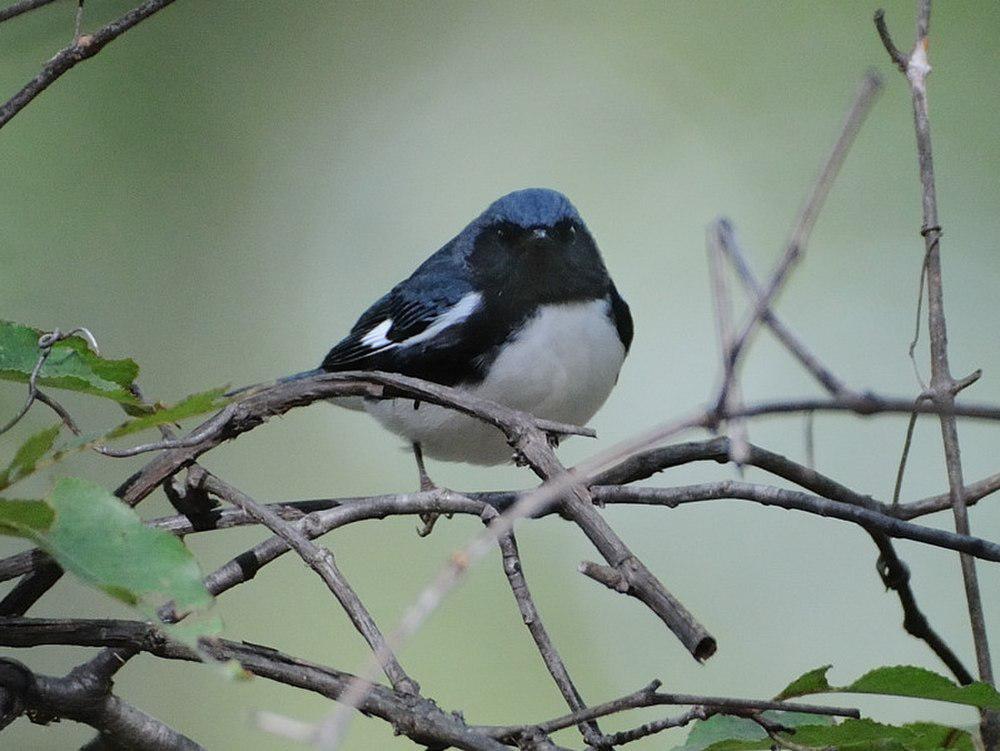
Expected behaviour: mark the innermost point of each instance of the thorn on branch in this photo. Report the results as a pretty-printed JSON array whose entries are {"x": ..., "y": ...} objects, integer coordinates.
[
  {"x": 963, "y": 383},
  {"x": 605, "y": 575}
]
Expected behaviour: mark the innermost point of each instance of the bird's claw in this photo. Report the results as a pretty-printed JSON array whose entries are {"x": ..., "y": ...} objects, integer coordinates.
[{"x": 427, "y": 522}]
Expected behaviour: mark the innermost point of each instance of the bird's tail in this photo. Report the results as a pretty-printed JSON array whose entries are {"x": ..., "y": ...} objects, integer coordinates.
[
  {"x": 300, "y": 376},
  {"x": 286, "y": 379}
]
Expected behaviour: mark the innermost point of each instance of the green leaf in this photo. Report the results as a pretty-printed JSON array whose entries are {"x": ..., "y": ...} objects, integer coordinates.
[
  {"x": 899, "y": 680},
  {"x": 24, "y": 518},
  {"x": 863, "y": 735},
  {"x": 719, "y": 728},
  {"x": 190, "y": 406},
  {"x": 27, "y": 456},
  {"x": 104, "y": 542},
  {"x": 726, "y": 728},
  {"x": 813, "y": 682},
  {"x": 70, "y": 365},
  {"x": 920, "y": 683}
]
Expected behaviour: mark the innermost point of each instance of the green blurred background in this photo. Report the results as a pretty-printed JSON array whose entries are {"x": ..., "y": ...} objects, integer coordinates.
[{"x": 221, "y": 191}]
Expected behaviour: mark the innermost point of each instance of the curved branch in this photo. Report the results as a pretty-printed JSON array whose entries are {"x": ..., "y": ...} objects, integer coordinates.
[
  {"x": 427, "y": 721},
  {"x": 321, "y": 560},
  {"x": 79, "y": 697},
  {"x": 419, "y": 719}
]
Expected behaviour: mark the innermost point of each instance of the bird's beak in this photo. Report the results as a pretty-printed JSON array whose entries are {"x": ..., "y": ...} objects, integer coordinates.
[{"x": 537, "y": 238}]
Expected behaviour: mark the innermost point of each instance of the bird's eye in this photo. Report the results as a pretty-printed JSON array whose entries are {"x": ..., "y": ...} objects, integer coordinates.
[
  {"x": 501, "y": 233},
  {"x": 566, "y": 232}
]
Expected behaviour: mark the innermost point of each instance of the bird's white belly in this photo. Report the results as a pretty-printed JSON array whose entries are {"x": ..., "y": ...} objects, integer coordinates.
[{"x": 561, "y": 366}]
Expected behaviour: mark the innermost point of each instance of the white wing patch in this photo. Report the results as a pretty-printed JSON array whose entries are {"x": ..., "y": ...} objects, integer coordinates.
[
  {"x": 454, "y": 315},
  {"x": 377, "y": 340}
]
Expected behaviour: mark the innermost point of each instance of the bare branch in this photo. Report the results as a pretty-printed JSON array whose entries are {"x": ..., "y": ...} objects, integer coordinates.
[
  {"x": 972, "y": 493},
  {"x": 657, "y": 726},
  {"x": 418, "y": 719},
  {"x": 649, "y": 696},
  {"x": 730, "y": 245},
  {"x": 16, "y": 9},
  {"x": 895, "y": 55},
  {"x": 78, "y": 696},
  {"x": 718, "y": 235},
  {"x": 321, "y": 561},
  {"x": 943, "y": 387},
  {"x": 514, "y": 571},
  {"x": 860, "y": 107},
  {"x": 790, "y": 499},
  {"x": 381, "y": 701},
  {"x": 82, "y": 48}
]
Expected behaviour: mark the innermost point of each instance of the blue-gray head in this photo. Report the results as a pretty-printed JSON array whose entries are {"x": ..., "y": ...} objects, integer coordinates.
[
  {"x": 531, "y": 207},
  {"x": 533, "y": 244}
]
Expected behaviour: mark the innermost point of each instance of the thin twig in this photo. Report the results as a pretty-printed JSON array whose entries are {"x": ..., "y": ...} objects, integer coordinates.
[
  {"x": 809, "y": 428},
  {"x": 649, "y": 696},
  {"x": 895, "y": 55},
  {"x": 895, "y": 575},
  {"x": 657, "y": 726},
  {"x": 82, "y": 48},
  {"x": 718, "y": 234},
  {"x": 907, "y": 443},
  {"x": 912, "y": 348},
  {"x": 863, "y": 100},
  {"x": 43, "y": 355},
  {"x": 321, "y": 561},
  {"x": 972, "y": 493},
  {"x": 16, "y": 9},
  {"x": 45, "y": 344},
  {"x": 59, "y": 409},
  {"x": 790, "y": 499},
  {"x": 737, "y": 256},
  {"x": 514, "y": 571},
  {"x": 916, "y": 68},
  {"x": 78, "y": 21}
]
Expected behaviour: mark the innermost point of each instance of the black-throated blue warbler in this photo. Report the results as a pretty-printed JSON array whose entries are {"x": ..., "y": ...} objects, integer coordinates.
[{"x": 517, "y": 308}]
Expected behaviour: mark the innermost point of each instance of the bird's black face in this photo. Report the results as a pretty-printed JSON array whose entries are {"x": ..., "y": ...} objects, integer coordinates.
[{"x": 538, "y": 264}]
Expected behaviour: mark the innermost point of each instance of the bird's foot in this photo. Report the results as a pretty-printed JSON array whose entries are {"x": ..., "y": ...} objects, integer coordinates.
[
  {"x": 520, "y": 460},
  {"x": 427, "y": 522},
  {"x": 429, "y": 518}
]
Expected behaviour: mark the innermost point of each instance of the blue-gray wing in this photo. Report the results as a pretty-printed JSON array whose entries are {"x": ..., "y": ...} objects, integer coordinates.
[{"x": 413, "y": 324}]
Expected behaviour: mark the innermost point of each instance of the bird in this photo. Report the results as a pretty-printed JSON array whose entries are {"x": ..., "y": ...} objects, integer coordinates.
[{"x": 517, "y": 308}]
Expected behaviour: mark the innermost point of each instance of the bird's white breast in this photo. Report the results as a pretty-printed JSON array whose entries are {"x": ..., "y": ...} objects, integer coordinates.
[{"x": 561, "y": 366}]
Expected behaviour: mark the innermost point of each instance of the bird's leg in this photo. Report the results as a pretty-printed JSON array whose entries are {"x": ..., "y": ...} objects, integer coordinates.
[{"x": 426, "y": 484}]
